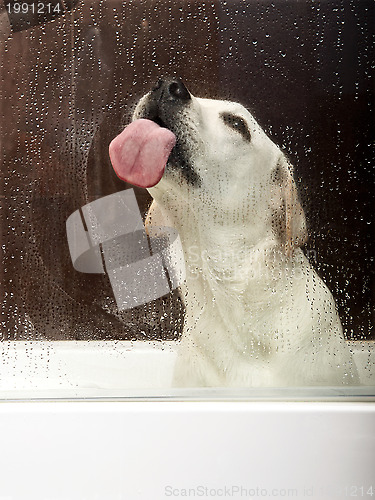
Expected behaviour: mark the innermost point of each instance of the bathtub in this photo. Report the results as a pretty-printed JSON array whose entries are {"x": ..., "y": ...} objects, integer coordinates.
[
  {"x": 98, "y": 420},
  {"x": 129, "y": 369}
]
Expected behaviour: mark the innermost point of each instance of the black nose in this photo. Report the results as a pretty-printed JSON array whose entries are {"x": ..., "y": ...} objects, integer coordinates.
[{"x": 172, "y": 90}]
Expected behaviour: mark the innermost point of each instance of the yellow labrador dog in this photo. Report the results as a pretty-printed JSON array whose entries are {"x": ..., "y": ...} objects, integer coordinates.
[{"x": 257, "y": 314}]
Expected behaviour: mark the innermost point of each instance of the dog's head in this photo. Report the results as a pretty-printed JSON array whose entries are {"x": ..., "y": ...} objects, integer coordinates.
[{"x": 223, "y": 169}]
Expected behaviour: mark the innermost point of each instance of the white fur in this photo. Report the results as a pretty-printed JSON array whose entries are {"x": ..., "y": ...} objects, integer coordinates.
[{"x": 257, "y": 314}]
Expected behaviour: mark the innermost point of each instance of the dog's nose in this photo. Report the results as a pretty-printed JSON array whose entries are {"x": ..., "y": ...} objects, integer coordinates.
[
  {"x": 172, "y": 90},
  {"x": 178, "y": 91}
]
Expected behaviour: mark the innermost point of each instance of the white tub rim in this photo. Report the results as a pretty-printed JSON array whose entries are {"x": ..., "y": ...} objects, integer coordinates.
[{"x": 99, "y": 357}]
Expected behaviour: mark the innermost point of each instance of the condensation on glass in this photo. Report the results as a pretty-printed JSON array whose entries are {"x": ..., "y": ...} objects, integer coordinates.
[{"x": 69, "y": 86}]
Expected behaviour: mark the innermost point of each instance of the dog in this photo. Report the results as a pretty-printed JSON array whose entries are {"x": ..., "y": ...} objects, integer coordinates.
[{"x": 257, "y": 313}]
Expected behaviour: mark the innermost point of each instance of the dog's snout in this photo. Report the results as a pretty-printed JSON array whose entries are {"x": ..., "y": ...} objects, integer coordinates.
[{"x": 172, "y": 90}]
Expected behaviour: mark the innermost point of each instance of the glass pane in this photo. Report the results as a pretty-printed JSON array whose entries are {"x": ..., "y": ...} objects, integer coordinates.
[{"x": 262, "y": 234}]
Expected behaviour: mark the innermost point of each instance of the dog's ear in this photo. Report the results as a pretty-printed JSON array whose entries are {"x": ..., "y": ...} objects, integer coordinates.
[{"x": 288, "y": 218}]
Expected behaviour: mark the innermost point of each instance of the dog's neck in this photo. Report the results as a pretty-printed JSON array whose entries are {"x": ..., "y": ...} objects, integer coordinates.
[
  {"x": 230, "y": 261},
  {"x": 224, "y": 258}
]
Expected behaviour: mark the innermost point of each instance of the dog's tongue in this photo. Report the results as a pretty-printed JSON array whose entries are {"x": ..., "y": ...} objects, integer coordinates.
[{"x": 139, "y": 154}]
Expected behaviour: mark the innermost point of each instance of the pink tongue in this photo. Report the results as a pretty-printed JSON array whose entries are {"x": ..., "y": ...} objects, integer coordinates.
[{"x": 139, "y": 154}]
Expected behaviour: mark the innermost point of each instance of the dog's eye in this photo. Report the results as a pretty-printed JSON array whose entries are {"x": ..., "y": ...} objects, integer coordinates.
[{"x": 237, "y": 123}]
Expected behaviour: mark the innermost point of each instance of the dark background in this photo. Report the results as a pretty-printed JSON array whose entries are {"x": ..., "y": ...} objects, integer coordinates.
[{"x": 305, "y": 70}]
